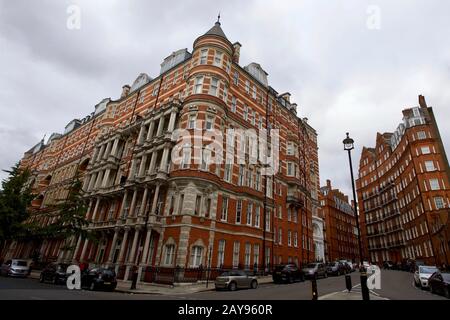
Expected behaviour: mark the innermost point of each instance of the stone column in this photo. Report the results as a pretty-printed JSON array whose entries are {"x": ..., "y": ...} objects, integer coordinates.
[
  {"x": 106, "y": 178},
  {"x": 83, "y": 251},
  {"x": 124, "y": 202},
  {"x": 150, "y": 129},
  {"x": 146, "y": 246},
  {"x": 99, "y": 181},
  {"x": 173, "y": 116},
  {"x": 155, "y": 199},
  {"x": 86, "y": 181},
  {"x": 143, "y": 163},
  {"x": 123, "y": 245},
  {"x": 133, "y": 169},
  {"x": 89, "y": 209},
  {"x": 160, "y": 126},
  {"x": 133, "y": 203},
  {"x": 115, "y": 147},
  {"x": 101, "y": 152},
  {"x": 144, "y": 202},
  {"x": 163, "y": 165},
  {"x": 94, "y": 214},
  {"x": 141, "y": 134},
  {"x": 92, "y": 181},
  {"x": 96, "y": 152},
  {"x": 108, "y": 149},
  {"x": 132, "y": 253},
  {"x": 77, "y": 247},
  {"x": 152, "y": 162},
  {"x": 113, "y": 246}
]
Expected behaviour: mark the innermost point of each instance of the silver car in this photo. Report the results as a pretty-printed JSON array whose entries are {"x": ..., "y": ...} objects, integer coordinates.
[
  {"x": 15, "y": 268},
  {"x": 236, "y": 279},
  {"x": 315, "y": 270},
  {"x": 422, "y": 274}
]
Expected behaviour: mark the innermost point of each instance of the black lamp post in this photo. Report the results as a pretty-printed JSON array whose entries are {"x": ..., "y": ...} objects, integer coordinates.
[{"x": 349, "y": 146}]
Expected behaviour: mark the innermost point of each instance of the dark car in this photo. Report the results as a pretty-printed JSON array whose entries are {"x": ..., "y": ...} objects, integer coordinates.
[
  {"x": 287, "y": 273},
  {"x": 336, "y": 268},
  {"x": 439, "y": 283},
  {"x": 388, "y": 265},
  {"x": 99, "y": 278},
  {"x": 56, "y": 273},
  {"x": 315, "y": 270}
]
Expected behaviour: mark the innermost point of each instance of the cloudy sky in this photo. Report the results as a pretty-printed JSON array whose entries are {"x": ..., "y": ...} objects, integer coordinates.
[{"x": 351, "y": 65}]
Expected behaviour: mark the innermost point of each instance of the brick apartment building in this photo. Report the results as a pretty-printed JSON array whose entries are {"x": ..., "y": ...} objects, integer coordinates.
[
  {"x": 341, "y": 240},
  {"x": 403, "y": 190},
  {"x": 148, "y": 210}
]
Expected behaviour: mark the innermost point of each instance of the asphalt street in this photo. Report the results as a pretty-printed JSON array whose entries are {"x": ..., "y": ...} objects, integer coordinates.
[{"x": 395, "y": 285}]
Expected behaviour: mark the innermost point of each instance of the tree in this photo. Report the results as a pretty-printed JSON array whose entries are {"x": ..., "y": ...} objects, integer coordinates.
[
  {"x": 14, "y": 200},
  {"x": 68, "y": 217}
]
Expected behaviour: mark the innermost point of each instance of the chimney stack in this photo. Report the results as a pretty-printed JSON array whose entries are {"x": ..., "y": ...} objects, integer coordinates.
[
  {"x": 236, "y": 52},
  {"x": 422, "y": 101},
  {"x": 328, "y": 183},
  {"x": 125, "y": 91}
]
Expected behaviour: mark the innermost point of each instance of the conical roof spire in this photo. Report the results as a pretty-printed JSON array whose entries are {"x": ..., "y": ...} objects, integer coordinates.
[{"x": 217, "y": 30}]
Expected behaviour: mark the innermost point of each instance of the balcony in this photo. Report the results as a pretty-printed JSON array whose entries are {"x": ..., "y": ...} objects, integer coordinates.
[{"x": 295, "y": 200}]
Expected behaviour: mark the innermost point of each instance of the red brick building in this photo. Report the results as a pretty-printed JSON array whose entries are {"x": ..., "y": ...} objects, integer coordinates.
[
  {"x": 341, "y": 240},
  {"x": 151, "y": 211},
  {"x": 403, "y": 190}
]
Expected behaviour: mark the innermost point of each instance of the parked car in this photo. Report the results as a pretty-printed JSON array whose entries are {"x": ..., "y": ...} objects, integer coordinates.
[
  {"x": 389, "y": 265},
  {"x": 55, "y": 273},
  {"x": 99, "y": 278},
  {"x": 287, "y": 273},
  {"x": 315, "y": 270},
  {"x": 336, "y": 268},
  {"x": 439, "y": 283},
  {"x": 15, "y": 268},
  {"x": 235, "y": 279},
  {"x": 422, "y": 274}
]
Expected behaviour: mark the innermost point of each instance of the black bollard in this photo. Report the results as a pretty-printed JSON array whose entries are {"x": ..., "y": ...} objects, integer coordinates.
[
  {"x": 315, "y": 294},
  {"x": 364, "y": 288},
  {"x": 348, "y": 282}
]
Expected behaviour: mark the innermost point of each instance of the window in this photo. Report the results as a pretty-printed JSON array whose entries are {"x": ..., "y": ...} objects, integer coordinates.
[
  {"x": 236, "y": 78},
  {"x": 206, "y": 158},
  {"x": 248, "y": 249},
  {"x": 254, "y": 92},
  {"x": 295, "y": 239},
  {"x": 429, "y": 166},
  {"x": 289, "y": 214},
  {"x": 245, "y": 113},
  {"x": 218, "y": 59},
  {"x": 155, "y": 90},
  {"x": 260, "y": 123},
  {"x": 236, "y": 247},
  {"x": 249, "y": 213},
  {"x": 198, "y": 85},
  {"x": 280, "y": 236},
  {"x": 290, "y": 149},
  {"x": 224, "y": 215},
  {"x": 180, "y": 204},
  {"x": 186, "y": 157},
  {"x": 214, "y": 85},
  {"x": 203, "y": 56},
  {"x": 425, "y": 150},
  {"x": 257, "y": 216},
  {"x": 253, "y": 117},
  {"x": 227, "y": 172},
  {"x": 225, "y": 93},
  {"x": 170, "y": 252},
  {"x": 439, "y": 202},
  {"x": 198, "y": 200},
  {"x": 238, "y": 211},
  {"x": 196, "y": 256},
  {"x": 267, "y": 214},
  {"x": 209, "y": 123},
  {"x": 289, "y": 238},
  {"x": 233, "y": 104},
  {"x": 421, "y": 135},
  {"x": 192, "y": 120},
  {"x": 221, "y": 253},
  {"x": 256, "y": 255},
  {"x": 241, "y": 175},
  {"x": 290, "y": 169},
  {"x": 434, "y": 184},
  {"x": 247, "y": 86},
  {"x": 258, "y": 180}
]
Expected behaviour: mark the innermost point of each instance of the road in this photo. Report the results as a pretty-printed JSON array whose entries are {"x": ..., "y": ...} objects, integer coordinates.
[{"x": 395, "y": 285}]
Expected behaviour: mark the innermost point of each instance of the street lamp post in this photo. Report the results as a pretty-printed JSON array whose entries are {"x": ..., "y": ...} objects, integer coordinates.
[{"x": 349, "y": 146}]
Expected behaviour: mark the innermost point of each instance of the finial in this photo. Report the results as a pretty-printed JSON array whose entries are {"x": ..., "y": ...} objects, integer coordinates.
[{"x": 218, "y": 18}]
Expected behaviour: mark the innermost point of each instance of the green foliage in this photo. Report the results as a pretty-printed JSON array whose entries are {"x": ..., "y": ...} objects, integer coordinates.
[{"x": 15, "y": 197}]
